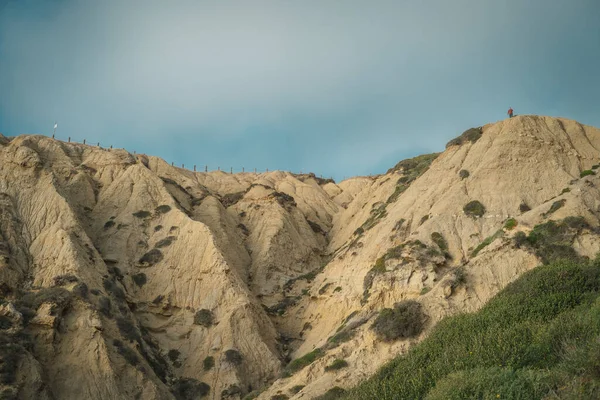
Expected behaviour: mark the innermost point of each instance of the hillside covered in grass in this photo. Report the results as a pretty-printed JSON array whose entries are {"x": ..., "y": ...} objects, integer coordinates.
[{"x": 539, "y": 338}]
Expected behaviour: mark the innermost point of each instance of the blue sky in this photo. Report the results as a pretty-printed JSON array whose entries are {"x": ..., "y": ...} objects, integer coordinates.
[{"x": 337, "y": 88}]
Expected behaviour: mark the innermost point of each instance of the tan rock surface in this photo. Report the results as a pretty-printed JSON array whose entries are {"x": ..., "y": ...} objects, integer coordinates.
[{"x": 106, "y": 257}]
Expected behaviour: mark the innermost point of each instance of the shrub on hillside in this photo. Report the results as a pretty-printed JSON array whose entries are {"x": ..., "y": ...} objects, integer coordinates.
[
  {"x": 139, "y": 279},
  {"x": 510, "y": 224},
  {"x": 463, "y": 174},
  {"x": 189, "y": 389},
  {"x": 296, "y": 389},
  {"x": 150, "y": 258},
  {"x": 204, "y": 318},
  {"x": 141, "y": 214},
  {"x": 405, "y": 320},
  {"x": 520, "y": 344},
  {"x": 474, "y": 209},
  {"x": 336, "y": 364},
  {"x": 523, "y": 207},
  {"x": 470, "y": 135},
  {"x": 162, "y": 209},
  {"x": 208, "y": 363},
  {"x": 586, "y": 173},
  {"x": 305, "y": 360},
  {"x": 233, "y": 356}
]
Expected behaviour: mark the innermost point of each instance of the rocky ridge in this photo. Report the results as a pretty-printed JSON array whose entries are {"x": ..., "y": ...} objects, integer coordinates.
[{"x": 124, "y": 277}]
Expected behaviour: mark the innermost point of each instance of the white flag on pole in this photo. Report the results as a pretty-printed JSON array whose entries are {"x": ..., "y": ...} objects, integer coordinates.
[{"x": 55, "y": 125}]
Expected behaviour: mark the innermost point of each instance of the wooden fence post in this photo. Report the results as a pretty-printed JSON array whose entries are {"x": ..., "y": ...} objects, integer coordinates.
[{"x": 194, "y": 167}]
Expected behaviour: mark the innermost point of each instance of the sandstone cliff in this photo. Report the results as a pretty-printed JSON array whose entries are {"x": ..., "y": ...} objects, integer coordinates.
[{"x": 124, "y": 277}]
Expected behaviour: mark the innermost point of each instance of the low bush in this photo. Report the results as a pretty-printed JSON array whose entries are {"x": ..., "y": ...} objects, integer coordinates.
[
  {"x": 128, "y": 354},
  {"x": 486, "y": 242},
  {"x": 208, "y": 363},
  {"x": 586, "y": 173},
  {"x": 104, "y": 306},
  {"x": 128, "y": 330},
  {"x": 555, "y": 206},
  {"x": 296, "y": 389},
  {"x": 474, "y": 209},
  {"x": 463, "y": 174},
  {"x": 165, "y": 242},
  {"x": 538, "y": 338},
  {"x": 439, "y": 240},
  {"x": 510, "y": 224},
  {"x": 233, "y": 356},
  {"x": 305, "y": 360},
  {"x": 62, "y": 280},
  {"x": 139, "y": 279},
  {"x": 141, "y": 214},
  {"x": 204, "y": 318},
  {"x": 162, "y": 209},
  {"x": 523, "y": 207},
  {"x": 279, "y": 397},
  {"x": 109, "y": 224},
  {"x": 336, "y": 365},
  {"x": 80, "y": 290},
  {"x": 150, "y": 258},
  {"x": 405, "y": 320},
  {"x": 553, "y": 240},
  {"x": 470, "y": 135},
  {"x": 173, "y": 355},
  {"x": 189, "y": 389}
]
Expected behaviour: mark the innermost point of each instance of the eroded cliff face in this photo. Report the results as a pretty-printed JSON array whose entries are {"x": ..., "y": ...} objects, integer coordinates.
[{"x": 123, "y": 277}]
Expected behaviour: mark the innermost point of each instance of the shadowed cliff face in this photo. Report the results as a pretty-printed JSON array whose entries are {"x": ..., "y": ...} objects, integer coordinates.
[{"x": 124, "y": 277}]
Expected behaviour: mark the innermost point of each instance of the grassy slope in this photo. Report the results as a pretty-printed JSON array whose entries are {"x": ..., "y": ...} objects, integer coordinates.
[{"x": 538, "y": 338}]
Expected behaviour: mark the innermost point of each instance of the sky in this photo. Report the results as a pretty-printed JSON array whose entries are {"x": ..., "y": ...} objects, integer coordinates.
[{"x": 338, "y": 88}]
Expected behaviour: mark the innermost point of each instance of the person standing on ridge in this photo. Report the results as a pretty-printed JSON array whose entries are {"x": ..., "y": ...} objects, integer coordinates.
[{"x": 510, "y": 112}]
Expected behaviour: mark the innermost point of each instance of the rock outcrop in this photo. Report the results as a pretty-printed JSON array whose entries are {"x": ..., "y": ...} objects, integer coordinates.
[{"x": 124, "y": 277}]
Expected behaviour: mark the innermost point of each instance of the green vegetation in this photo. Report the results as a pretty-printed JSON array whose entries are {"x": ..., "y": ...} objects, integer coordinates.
[
  {"x": 165, "y": 242},
  {"x": 336, "y": 364},
  {"x": 510, "y": 224},
  {"x": 150, "y": 258},
  {"x": 162, "y": 209},
  {"x": 296, "y": 389},
  {"x": 565, "y": 190},
  {"x": 140, "y": 279},
  {"x": 304, "y": 361},
  {"x": 337, "y": 289},
  {"x": 470, "y": 135},
  {"x": 487, "y": 241},
  {"x": 586, "y": 173},
  {"x": 377, "y": 213},
  {"x": 474, "y": 209},
  {"x": 231, "y": 199},
  {"x": 405, "y": 320},
  {"x": 334, "y": 393},
  {"x": 173, "y": 355},
  {"x": 324, "y": 288},
  {"x": 189, "y": 389},
  {"x": 109, "y": 224},
  {"x": 279, "y": 397},
  {"x": 463, "y": 173},
  {"x": 411, "y": 169},
  {"x": 523, "y": 207},
  {"x": 233, "y": 356},
  {"x": 208, "y": 363},
  {"x": 538, "y": 338},
  {"x": 141, "y": 214},
  {"x": 204, "y": 318},
  {"x": 126, "y": 352},
  {"x": 555, "y": 206},
  {"x": 553, "y": 240},
  {"x": 441, "y": 242}
]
